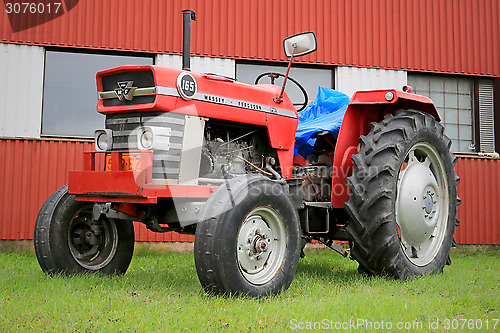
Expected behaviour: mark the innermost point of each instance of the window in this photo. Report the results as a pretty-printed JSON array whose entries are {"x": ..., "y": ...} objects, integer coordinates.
[
  {"x": 309, "y": 78},
  {"x": 453, "y": 97},
  {"x": 70, "y": 92}
]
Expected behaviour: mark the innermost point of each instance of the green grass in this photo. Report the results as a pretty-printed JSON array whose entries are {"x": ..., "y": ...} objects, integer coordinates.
[{"x": 161, "y": 293}]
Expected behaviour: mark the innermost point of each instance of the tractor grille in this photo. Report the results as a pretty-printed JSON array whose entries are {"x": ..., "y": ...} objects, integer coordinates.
[
  {"x": 165, "y": 163},
  {"x": 140, "y": 79}
]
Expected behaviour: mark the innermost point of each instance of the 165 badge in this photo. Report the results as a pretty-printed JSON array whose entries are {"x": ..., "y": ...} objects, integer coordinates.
[{"x": 186, "y": 85}]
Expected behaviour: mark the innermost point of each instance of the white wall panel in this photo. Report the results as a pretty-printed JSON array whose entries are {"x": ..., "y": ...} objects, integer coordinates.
[
  {"x": 21, "y": 86},
  {"x": 226, "y": 67},
  {"x": 351, "y": 79}
]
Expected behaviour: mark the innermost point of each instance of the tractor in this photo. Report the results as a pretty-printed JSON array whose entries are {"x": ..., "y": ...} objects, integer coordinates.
[{"x": 205, "y": 155}]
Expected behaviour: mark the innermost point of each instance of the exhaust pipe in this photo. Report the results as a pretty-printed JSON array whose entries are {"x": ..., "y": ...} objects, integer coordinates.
[{"x": 187, "y": 16}]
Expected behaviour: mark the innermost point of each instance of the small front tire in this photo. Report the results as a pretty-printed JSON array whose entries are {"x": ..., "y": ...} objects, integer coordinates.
[
  {"x": 248, "y": 242},
  {"x": 68, "y": 241}
]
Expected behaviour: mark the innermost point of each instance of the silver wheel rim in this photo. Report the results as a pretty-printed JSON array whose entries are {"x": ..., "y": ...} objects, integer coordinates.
[
  {"x": 261, "y": 245},
  {"x": 422, "y": 204},
  {"x": 92, "y": 245}
]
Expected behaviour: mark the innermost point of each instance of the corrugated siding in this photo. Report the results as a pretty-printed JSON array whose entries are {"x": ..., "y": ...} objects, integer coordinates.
[
  {"x": 479, "y": 190},
  {"x": 448, "y": 36},
  {"x": 351, "y": 79},
  {"x": 21, "y": 87},
  {"x": 30, "y": 171}
]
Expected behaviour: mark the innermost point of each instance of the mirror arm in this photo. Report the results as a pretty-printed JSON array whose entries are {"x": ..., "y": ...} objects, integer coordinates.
[{"x": 279, "y": 98}]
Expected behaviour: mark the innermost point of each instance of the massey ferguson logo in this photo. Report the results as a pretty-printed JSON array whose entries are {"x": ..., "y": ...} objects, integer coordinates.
[{"x": 125, "y": 91}]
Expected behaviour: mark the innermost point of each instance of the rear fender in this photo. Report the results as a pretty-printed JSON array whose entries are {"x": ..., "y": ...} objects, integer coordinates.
[{"x": 366, "y": 107}]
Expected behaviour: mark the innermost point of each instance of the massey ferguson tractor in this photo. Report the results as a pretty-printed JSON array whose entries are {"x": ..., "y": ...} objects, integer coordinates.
[{"x": 203, "y": 154}]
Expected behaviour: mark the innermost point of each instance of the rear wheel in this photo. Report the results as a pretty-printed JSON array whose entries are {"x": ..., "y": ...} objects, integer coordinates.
[
  {"x": 68, "y": 240},
  {"x": 249, "y": 240},
  {"x": 403, "y": 197}
]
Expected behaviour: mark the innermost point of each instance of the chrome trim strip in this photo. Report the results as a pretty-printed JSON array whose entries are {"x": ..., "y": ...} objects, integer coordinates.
[
  {"x": 106, "y": 95},
  {"x": 137, "y": 92},
  {"x": 168, "y": 91}
]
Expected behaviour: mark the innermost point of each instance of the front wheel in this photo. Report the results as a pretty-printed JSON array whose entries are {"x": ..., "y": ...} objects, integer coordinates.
[
  {"x": 69, "y": 241},
  {"x": 249, "y": 240},
  {"x": 403, "y": 200}
]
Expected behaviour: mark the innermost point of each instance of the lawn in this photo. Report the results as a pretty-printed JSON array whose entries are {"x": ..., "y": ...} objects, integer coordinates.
[{"x": 161, "y": 293}]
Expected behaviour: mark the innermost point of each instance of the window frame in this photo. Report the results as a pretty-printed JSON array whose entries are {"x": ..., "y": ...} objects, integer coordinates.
[
  {"x": 284, "y": 65},
  {"x": 86, "y": 52},
  {"x": 474, "y": 106}
]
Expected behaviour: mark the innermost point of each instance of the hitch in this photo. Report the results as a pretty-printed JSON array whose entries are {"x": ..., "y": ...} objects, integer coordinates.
[{"x": 105, "y": 209}]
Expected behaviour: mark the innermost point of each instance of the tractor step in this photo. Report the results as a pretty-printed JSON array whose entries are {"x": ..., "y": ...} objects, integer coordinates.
[{"x": 319, "y": 208}]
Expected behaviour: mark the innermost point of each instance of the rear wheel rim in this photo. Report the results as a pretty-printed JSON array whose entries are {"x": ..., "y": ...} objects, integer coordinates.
[
  {"x": 261, "y": 245},
  {"x": 92, "y": 244},
  {"x": 422, "y": 204}
]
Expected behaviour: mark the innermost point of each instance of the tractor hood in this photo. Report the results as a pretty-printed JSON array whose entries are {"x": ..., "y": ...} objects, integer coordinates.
[{"x": 154, "y": 88}]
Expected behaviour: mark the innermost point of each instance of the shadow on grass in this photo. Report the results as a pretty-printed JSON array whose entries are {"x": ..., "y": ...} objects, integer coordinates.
[
  {"x": 175, "y": 274},
  {"x": 327, "y": 272}
]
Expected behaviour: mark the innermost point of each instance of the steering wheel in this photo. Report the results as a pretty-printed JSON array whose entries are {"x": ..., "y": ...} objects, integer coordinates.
[{"x": 273, "y": 76}]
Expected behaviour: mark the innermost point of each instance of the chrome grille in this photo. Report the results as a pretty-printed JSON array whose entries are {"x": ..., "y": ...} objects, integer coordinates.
[{"x": 165, "y": 163}]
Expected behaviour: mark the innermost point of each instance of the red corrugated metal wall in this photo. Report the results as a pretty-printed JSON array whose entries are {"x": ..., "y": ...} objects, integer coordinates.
[
  {"x": 31, "y": 170},
  {"x": 479, "y": 190},
  {"x": 448, "y": 36}
]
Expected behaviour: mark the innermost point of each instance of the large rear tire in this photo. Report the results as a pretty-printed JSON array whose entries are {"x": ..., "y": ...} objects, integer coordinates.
[
  {"x": 248, "y": 242},
  {"x": 403, "y": 200},
  {"x": 68, "y": 241}
]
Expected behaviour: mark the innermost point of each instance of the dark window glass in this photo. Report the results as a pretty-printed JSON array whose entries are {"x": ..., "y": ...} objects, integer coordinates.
[
  {"x": 309, "y": 78},
  {"x": 70, "y": 92}
]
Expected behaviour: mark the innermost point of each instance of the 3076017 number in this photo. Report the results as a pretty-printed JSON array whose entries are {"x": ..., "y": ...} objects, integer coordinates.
[
  {"x": 33, "y": 7},
  {"x": 471, "y": 324}
]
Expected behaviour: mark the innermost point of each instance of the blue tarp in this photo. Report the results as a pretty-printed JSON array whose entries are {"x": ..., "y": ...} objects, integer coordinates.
[{"x": 325, "y": 113}]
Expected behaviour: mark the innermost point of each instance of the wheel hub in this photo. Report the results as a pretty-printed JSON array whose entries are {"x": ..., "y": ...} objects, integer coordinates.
[
  {"x": 261, "y": 245},
  {"x": 417, "y": 204},
  {"x": 428, "y": 202},
  {"x": 256, "y": 247},
  {"x": 92, "y": 245}
]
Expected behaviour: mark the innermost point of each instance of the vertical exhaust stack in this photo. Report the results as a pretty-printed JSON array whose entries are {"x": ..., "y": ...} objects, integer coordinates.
[{"x": 187, "y": 16}]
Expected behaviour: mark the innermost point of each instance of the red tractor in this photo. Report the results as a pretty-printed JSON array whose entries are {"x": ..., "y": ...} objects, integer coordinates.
[{"x": 202, "y": 154}]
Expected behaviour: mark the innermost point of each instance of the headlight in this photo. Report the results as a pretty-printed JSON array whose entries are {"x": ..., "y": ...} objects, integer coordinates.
[
  {"x": 156, "y": 138},
  {"x": 103, "y": 139},
  {"x": 146, "y": 138}
]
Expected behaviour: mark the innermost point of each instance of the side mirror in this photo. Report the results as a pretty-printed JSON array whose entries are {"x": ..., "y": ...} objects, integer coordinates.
[{"x": 300, "y": 44}]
